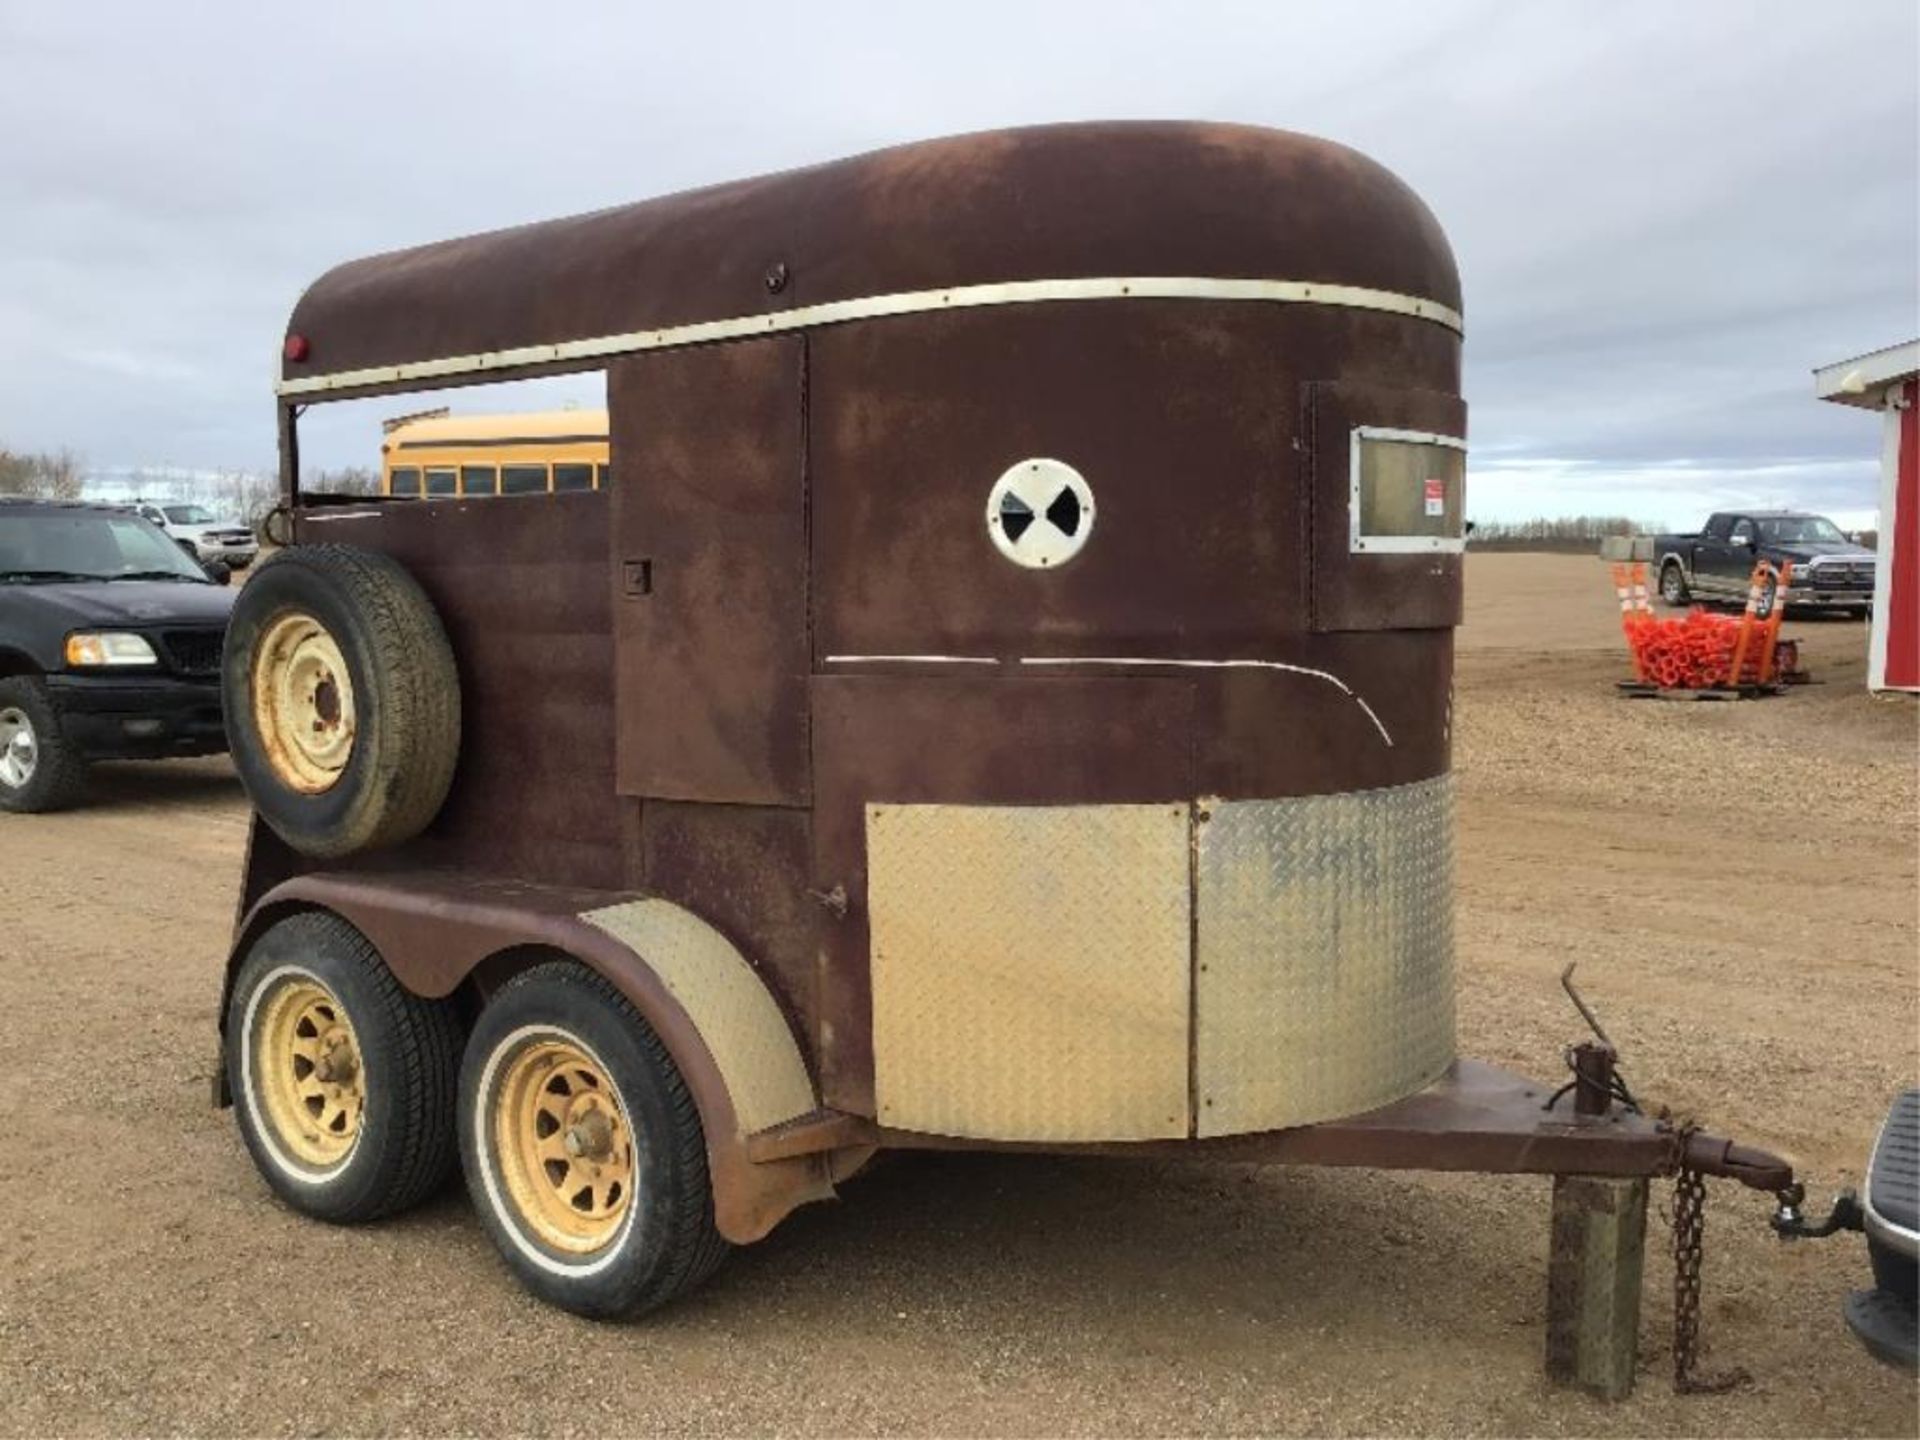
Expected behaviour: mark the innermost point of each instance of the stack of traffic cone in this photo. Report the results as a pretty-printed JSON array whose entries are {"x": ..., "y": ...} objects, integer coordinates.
[
  {"x": 1703, "y": 651},
  {"x": 1689, "y": 654}
]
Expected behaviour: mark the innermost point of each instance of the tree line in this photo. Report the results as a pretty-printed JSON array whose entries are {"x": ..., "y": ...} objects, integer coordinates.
[
  {"x": 1578, "y": 533},
  {"x": 41, "y": 477}
]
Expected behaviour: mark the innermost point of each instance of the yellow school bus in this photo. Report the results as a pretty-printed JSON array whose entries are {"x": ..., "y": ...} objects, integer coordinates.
[{"x": 442, "y": 456}]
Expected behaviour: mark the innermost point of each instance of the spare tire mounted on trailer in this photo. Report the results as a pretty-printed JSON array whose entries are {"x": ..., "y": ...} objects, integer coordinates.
[{"x": 342, "y": 700}]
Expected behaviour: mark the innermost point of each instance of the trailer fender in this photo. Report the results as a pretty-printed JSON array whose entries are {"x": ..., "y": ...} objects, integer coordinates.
[{"x": 716, "y": 1017}]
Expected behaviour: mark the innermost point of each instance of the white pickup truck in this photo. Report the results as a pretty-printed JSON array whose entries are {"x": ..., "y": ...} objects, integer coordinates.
[{"x": 227, "y": 541}]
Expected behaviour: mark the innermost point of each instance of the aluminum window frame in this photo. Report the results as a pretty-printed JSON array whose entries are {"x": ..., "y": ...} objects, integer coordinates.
[{"x": 1360, "y": 543}]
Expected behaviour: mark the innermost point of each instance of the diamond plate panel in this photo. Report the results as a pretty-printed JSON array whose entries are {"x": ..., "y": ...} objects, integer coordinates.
[
  {"x": 1031, "y": 969},
  {"x": 1324, "y": 954}
]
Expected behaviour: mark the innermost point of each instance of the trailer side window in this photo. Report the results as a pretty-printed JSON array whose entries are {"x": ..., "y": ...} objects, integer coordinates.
[
  {"x": 573, "y": 477},
  {"x": 479, "y": 480},
  {"x": 406, "y": 480},
  {"x": 523, "y": 479},
  {"x": 1409, "y": 491}
]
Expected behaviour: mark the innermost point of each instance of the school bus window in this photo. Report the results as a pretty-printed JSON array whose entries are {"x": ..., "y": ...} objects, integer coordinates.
[
  {"x": 495, "y": 454},
  {"x": 601, "y": 475}
]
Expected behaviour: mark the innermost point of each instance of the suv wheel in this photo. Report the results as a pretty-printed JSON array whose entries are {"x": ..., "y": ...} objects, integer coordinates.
[{"x": 38, "y": 771}]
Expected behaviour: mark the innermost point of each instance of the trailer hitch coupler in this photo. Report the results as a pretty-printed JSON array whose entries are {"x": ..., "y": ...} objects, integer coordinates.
[{"x": 1755, "y": 1168}]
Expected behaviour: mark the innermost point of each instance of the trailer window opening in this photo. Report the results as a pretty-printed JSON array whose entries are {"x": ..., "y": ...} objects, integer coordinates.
[
  {"x": 1409, "y": 491},
  {"x": 514, "y": 441}
]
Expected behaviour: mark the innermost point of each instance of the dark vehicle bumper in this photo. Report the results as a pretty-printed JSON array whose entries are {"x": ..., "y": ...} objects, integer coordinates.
[
  {"x": 1824, "y": 599},
  {"x": 1884, "y": 1318},
  {"x": 146, "y": 718}
]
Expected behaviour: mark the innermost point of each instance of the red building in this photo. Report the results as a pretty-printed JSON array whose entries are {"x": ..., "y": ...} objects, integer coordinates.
[{"x": 1889, "y": 381}]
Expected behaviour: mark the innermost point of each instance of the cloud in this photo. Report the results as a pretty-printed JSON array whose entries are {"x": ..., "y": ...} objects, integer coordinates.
[
  {"x": 1665, "y": 215},
  {"x": 1670, "y": 495}
]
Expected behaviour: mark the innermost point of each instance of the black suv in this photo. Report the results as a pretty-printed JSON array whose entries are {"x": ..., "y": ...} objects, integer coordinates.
[{"x": 109, "y": 648}]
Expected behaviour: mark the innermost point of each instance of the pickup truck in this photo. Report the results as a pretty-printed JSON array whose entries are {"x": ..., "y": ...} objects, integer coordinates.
[
  {"x": 225, "y": 542},
  {"x": 1830, "y": 572},
  {"x": 110, "y": 642}
]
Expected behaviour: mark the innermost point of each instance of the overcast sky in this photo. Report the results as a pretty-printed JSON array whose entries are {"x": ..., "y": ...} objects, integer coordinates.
[{"x": 1666, "y": 214}]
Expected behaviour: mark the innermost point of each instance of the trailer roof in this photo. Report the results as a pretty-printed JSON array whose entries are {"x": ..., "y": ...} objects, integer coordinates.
[{"x": 1089, "y": 211}]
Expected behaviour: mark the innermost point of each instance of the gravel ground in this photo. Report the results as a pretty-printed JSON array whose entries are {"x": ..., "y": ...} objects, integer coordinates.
[{"x": 1737, "y": 881}]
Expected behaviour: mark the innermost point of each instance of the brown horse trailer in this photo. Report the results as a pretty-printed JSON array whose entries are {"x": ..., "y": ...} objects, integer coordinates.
[{"x": 1001, "y": 698}]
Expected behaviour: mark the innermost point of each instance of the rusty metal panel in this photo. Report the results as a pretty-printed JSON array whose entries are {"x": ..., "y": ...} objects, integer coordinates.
[
  {"x": 727, "y": 1003},
  {"x": 746, "y": 869},
  {"x": 1323, "y": 931},
  {"x": 521, "y": 587},
  {"x": 1048, "y": 202},
  {"x": 710, "y": 573},
  {"x": 1031, "y": 970},
  {"x": 1272, "y": 733},
  {"x": 1368, "y": 591},
  {"x": 1177, "y": 417}
]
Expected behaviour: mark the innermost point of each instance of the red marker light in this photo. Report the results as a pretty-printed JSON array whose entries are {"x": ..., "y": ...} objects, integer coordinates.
[{"x": 296, "y": 348}]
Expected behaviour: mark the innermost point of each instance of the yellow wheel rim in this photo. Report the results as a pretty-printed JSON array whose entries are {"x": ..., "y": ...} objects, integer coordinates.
[
  {"x": 303, "y": 706},
  {"x": 565, "y": 1148},
  {"x": 308, "y": 1073}
]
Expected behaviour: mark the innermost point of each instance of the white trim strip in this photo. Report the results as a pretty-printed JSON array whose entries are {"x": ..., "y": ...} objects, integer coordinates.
[
  {"x": 1328, "y": 676},
  {"x": 911, "y": 660},
  {"x": 1886, "y": 547},
  {"x": 1412, "y": 437},
  {"x": 868, "y": 307}
]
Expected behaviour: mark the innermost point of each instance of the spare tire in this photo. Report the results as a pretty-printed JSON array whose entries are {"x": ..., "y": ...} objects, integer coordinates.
[{"x": 342, "y": 699}]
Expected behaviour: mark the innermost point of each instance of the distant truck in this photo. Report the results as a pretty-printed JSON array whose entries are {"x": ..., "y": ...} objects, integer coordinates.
[
  {"x": 1830, "y": 572},
  {"x": 226, "y": 542}
]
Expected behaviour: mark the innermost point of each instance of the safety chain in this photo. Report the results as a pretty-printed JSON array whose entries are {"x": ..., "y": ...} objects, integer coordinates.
[{"x": 1689, "y": 1249}]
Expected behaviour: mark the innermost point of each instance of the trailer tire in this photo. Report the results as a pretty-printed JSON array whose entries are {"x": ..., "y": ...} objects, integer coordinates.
[
  {"x": 343, "y": 1081},
  {"x": 342, "y": 700},
  {"x": 583, "y": 1148},
  {"x": 1673, "y": 584}
]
